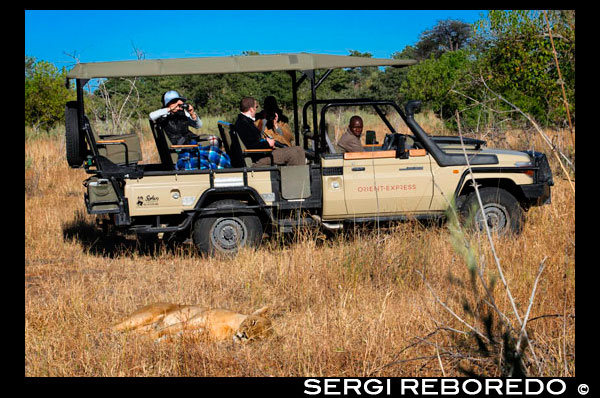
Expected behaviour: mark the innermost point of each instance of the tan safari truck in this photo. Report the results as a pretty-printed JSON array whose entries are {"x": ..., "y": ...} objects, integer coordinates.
[{"x": 407, "y": 176}]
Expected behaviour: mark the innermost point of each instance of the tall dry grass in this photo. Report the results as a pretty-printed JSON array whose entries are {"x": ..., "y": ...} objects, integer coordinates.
[{"x": 347, "y": 305}]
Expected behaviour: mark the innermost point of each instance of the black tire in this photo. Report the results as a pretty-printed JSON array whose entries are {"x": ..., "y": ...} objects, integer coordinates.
[
  {"x": 74, "y": 141},
  {"x": 227, "y": 232},
  {"x": 503, "y": 212}
]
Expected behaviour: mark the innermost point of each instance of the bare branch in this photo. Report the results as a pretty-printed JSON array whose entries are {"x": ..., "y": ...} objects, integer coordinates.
[
  {"x": 562, "y": 84},
  {"x": 487, "y": 229},
  {"x": 489, "y": 235},
  {"x": 537, "y": 278},
  {"x": 472, "y": 328},
  {"x": 72, "y": 55}
]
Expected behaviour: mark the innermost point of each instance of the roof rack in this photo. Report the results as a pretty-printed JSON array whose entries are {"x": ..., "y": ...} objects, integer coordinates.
[{"x": 228, "y": 64}]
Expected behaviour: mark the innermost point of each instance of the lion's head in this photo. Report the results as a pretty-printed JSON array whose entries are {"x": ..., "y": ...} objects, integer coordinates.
[{"x": 254, "y": 327}]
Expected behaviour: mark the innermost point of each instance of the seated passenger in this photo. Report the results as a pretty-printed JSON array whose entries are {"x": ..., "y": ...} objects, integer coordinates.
[
  {"x": 253, "y": 138},
  {"x": 272, "y": 128},
  {"x": 350, "y": 140},
  {"x": 203, "y": 158},
  {"x": 273, "y": 123},
  {"x": 175, "y": 117}
]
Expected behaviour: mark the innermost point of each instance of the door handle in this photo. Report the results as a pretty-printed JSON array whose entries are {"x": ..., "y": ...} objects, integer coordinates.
[{"x": 358, "y": 169}]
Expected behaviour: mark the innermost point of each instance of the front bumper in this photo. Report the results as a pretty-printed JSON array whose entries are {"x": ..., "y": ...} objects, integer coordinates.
[{"x": 539, "y": 193}]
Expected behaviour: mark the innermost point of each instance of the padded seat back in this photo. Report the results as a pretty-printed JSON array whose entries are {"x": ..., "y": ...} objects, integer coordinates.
[
  {"x": 120, "y": 149},
  {"x": 163, "y": 145},
  {"x": 239, "y": 155},
  {"x": 233, "y": 145}
]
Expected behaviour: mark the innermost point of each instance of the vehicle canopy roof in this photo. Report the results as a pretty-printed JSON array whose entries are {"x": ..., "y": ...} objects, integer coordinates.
[{"x": 228, "y": 64}]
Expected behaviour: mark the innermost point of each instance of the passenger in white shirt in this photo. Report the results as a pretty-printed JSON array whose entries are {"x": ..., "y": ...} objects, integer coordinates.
[{"x": 175, "y": 117}]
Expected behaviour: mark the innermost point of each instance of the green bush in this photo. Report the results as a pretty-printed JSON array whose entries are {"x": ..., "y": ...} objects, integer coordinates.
[{"x": 45, "y": 94}]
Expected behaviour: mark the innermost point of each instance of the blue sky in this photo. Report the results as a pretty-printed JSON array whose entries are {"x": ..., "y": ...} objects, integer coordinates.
[{"x": 104, "y": 35}]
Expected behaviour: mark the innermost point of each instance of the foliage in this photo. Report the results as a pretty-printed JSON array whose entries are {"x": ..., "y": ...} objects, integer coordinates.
[
  {"x": 508, "y": 50},
  {"x": 45, "y": 94},
  {"x": 447, "y": 35},
  {"x": 432, "y": 80},
  {"x": 517, "y": 60}
]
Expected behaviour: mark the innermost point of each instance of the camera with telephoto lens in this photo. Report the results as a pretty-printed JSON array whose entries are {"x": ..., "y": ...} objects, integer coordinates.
[{"x": 185, "y": 106}]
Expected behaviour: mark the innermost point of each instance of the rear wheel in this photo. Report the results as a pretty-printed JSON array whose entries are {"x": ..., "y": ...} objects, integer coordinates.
[
  {"x": 227, "y": 232},
  {"x": 503, "y": 213}
]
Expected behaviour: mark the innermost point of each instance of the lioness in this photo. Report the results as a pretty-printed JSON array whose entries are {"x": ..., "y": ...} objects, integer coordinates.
[{"x": 164, "y": 319}]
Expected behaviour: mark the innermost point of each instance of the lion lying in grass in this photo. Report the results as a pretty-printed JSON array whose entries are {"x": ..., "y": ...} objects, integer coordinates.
[{"x": 161, "y": 320}]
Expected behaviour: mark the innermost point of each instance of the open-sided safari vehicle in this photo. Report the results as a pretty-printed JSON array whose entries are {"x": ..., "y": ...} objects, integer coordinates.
[{"x": 406, "y": 176}]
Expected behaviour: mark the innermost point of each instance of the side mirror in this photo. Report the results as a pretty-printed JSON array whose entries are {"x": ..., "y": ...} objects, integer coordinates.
[
  {"x": 370, "y": 138},
  {"x": 412, "y": 107}
]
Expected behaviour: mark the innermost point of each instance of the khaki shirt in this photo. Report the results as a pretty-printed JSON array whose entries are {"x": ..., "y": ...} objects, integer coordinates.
[{"x": 349, "y": 142}]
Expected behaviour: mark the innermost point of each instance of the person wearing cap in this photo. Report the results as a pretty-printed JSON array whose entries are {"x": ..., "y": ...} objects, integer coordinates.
[{"x": 175, "y": 117}]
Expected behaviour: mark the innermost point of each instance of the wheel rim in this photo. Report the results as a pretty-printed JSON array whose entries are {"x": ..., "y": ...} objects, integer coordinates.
[
  {"x": 228, "y": 234},
  {"x": 497, "y": 218}
]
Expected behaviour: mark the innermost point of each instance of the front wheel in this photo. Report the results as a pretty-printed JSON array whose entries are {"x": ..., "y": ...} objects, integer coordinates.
[
  {"x": 503, "y": 213},
  {"x": 227, "y": 232}
]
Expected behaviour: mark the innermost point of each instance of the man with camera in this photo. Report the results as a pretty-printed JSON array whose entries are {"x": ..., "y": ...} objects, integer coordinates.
[{"x": 175, "y": 117}]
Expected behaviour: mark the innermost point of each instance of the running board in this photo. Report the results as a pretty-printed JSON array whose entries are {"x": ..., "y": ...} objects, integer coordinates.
[
  {"x": 151, "y": 229},
  {"x": 288, "y": 225}
]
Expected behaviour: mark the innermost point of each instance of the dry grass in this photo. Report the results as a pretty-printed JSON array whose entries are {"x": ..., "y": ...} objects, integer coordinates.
[{"x": 344, "y": 306}]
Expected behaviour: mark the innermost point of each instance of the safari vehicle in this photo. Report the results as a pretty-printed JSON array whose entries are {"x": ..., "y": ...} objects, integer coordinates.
[{"x": 407, "y": 176}]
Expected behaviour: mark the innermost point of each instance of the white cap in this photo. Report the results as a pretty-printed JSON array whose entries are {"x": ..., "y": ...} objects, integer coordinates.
[{"x": 170, "y": 96}]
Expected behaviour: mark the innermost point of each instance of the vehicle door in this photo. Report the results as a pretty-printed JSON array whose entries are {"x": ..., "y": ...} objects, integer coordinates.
[
  {"x": 377, "y": 183},
  {"x": 403, "y": 186},
  {"x": 359, "y": 187}
]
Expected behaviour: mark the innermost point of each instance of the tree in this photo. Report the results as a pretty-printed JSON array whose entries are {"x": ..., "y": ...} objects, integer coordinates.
[
  {"x": 29, "y": 64},
  {"x": 45, "y": 94},
  {"x": 447, "y": 35},
  {"x": 438, "y": 72},
  {"x": 433, "y": 81},
  {"x": 517, "y": 60},
  {"x": 390, "y": 79}
]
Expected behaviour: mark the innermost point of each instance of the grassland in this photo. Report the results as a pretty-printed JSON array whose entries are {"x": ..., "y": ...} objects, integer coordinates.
[{"x": 347, "y": 305}]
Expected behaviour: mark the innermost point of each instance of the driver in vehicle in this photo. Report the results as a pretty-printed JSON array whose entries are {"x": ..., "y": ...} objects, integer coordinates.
[{"x": 350, "y": 140}]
